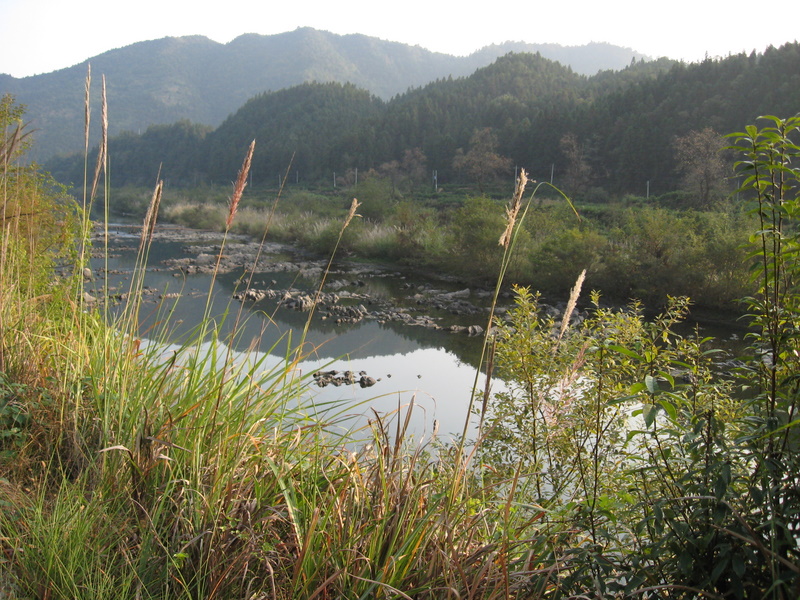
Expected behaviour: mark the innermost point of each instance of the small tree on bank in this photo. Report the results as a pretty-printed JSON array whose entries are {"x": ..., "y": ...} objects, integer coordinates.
[
  {"x": 481, "y": 162},
  {"x": 701, "y": 164}
]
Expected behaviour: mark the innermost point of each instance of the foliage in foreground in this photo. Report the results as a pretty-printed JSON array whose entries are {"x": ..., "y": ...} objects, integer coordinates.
[
  {"x": 666, "y": 476},
  {"x": 620, "y": 463}
]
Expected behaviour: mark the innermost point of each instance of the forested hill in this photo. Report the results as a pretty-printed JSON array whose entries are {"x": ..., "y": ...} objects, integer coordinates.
[
  {"x": 622, "y": 125},
  {"x": 197, "y": 79}
]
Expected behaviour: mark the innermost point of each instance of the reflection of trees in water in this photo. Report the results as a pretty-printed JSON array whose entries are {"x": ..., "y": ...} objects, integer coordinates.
[{"x": 359, "y": 340}]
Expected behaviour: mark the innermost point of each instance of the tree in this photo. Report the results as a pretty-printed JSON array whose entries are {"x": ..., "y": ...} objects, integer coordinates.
[
  {"x": 701, "y": 163},
  {"x": 579, "y": 173},
  {"x": 414, "y": 166},
  {"x": 481, "y": 162}
]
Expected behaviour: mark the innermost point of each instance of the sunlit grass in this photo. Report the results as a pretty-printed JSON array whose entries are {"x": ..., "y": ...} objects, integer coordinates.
[{"x": 144, "y": 468}]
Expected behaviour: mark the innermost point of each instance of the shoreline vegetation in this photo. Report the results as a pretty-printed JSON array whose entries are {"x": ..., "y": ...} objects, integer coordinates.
[
  {"x": 618, "y": 464},
  {"x": 634, "y": 248}
]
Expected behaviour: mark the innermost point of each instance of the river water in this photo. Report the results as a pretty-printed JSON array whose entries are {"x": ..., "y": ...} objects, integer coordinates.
[
  {"x": 435, "y": 369},
  {"x": 431, "y": 367}
]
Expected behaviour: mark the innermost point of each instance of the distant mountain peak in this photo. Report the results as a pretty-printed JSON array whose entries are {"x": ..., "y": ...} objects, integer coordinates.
[{"x": 195, "y": 78}]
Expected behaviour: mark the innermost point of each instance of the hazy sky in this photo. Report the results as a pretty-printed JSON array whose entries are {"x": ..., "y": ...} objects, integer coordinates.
[{"x": 38, "y": 36}]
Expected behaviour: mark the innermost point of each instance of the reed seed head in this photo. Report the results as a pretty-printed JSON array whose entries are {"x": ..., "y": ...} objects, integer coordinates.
[
  {"x": 238, "y": 187},
  {"x": 87, "y": 113},
  {"x": 150, "y": 218},
  {"x": 103, "y": 150},
  {"x": 351, "y": 213},
  {"x": 513, "y": 208},
  {"x": 573, "y": 301}
]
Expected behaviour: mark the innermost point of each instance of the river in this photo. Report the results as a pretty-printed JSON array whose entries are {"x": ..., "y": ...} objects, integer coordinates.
[
  {"x": 408, "y": 334},
  {"x": 429, "y": 364}
]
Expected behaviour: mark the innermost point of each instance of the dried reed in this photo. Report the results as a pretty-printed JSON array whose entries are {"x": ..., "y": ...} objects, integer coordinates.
[
  {"x": 513, "y": 208},
  {"x": 238, "y": 188},
  {"x": 150, "y": 217},
  {"x": 87, "y": 112},
  {"x": 102, "y": 152},
  {"x": 351, "y": 213},
  {"x": 233, "y": 206},
  {"x": 573, "y": 300},
  {"x": 507, "y": 242}
]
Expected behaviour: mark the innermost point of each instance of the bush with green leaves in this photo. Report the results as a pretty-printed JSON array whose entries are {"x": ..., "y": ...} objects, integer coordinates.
[
  {"x": 661, "y": 473},
  {"x": 475, "y": 250}
]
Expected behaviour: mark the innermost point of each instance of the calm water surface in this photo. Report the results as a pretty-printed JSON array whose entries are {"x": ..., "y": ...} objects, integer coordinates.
[{"x": 436, "y": 370}]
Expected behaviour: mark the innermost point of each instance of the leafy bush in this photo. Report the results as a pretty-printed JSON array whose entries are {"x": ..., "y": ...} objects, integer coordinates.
[
  {"x": 661, "y": 474},
  {"x": 475, "y": 248}
]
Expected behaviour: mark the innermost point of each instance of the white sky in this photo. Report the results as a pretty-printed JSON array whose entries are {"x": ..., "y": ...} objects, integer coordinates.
[{"x": 39, "y": 36}]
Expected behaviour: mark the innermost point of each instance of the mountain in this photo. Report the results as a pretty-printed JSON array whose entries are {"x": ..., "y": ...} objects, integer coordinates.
[
  {"x": 194, "y": 78},
  {"x": 623, "y": 124}
]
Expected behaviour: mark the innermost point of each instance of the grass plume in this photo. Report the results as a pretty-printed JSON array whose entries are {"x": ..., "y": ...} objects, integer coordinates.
[
  {"x": 571, "y": 303},
  {"x": 238, "y": 187},
  {"x": 513, "y": 208}
]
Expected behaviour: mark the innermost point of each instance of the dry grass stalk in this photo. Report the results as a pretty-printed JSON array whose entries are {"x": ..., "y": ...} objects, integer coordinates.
[
  {"x": 7, "y": 147},
  {"x": 150, "y": 217},
  {"x": 513, "y": 208},
  {"x": 352, "y": 213},
  {"x": 104, "y": 116},
  {"x": 11, "y": 144},
  {"x": 86, "y": 109},
  {"x": 573, "y": 300},
  {"x": 238, "y": 188},
  {"x": 103, "y": 149}
]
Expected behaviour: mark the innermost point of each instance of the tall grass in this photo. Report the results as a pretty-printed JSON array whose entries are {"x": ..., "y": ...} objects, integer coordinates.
[{"x": 144, "y": 469}]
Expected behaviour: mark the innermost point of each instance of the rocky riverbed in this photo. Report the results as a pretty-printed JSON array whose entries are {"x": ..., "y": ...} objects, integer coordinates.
[{"x": 348, "y": 295}]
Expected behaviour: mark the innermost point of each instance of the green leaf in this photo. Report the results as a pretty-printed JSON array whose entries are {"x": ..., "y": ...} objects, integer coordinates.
[
  {"x": 720, "y": 487},
  {"x": 669, "y": 408},
  {"x": 719, "y": 568},
  {"x": 649, "y": 413},
  {"x": 627, "y": 352},
  {"x": 651, "y": 383},
  {"x": 737, "y": 563},
  {"x": 668, "y": 376},
  {"x": 685, "y": 562},
  {"x": 637, "y": 388}
]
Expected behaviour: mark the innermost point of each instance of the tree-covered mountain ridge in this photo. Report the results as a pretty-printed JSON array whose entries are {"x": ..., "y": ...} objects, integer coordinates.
[
  {"x": 198, "y": 79},
  {"x": 622, "y": 125}
]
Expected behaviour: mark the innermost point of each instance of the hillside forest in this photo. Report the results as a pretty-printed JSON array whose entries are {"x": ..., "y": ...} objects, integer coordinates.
[
  {"x": 621, "y": 125},
  {"x": 192, "y": 77},
  {"x": 639, "y": 152}
]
